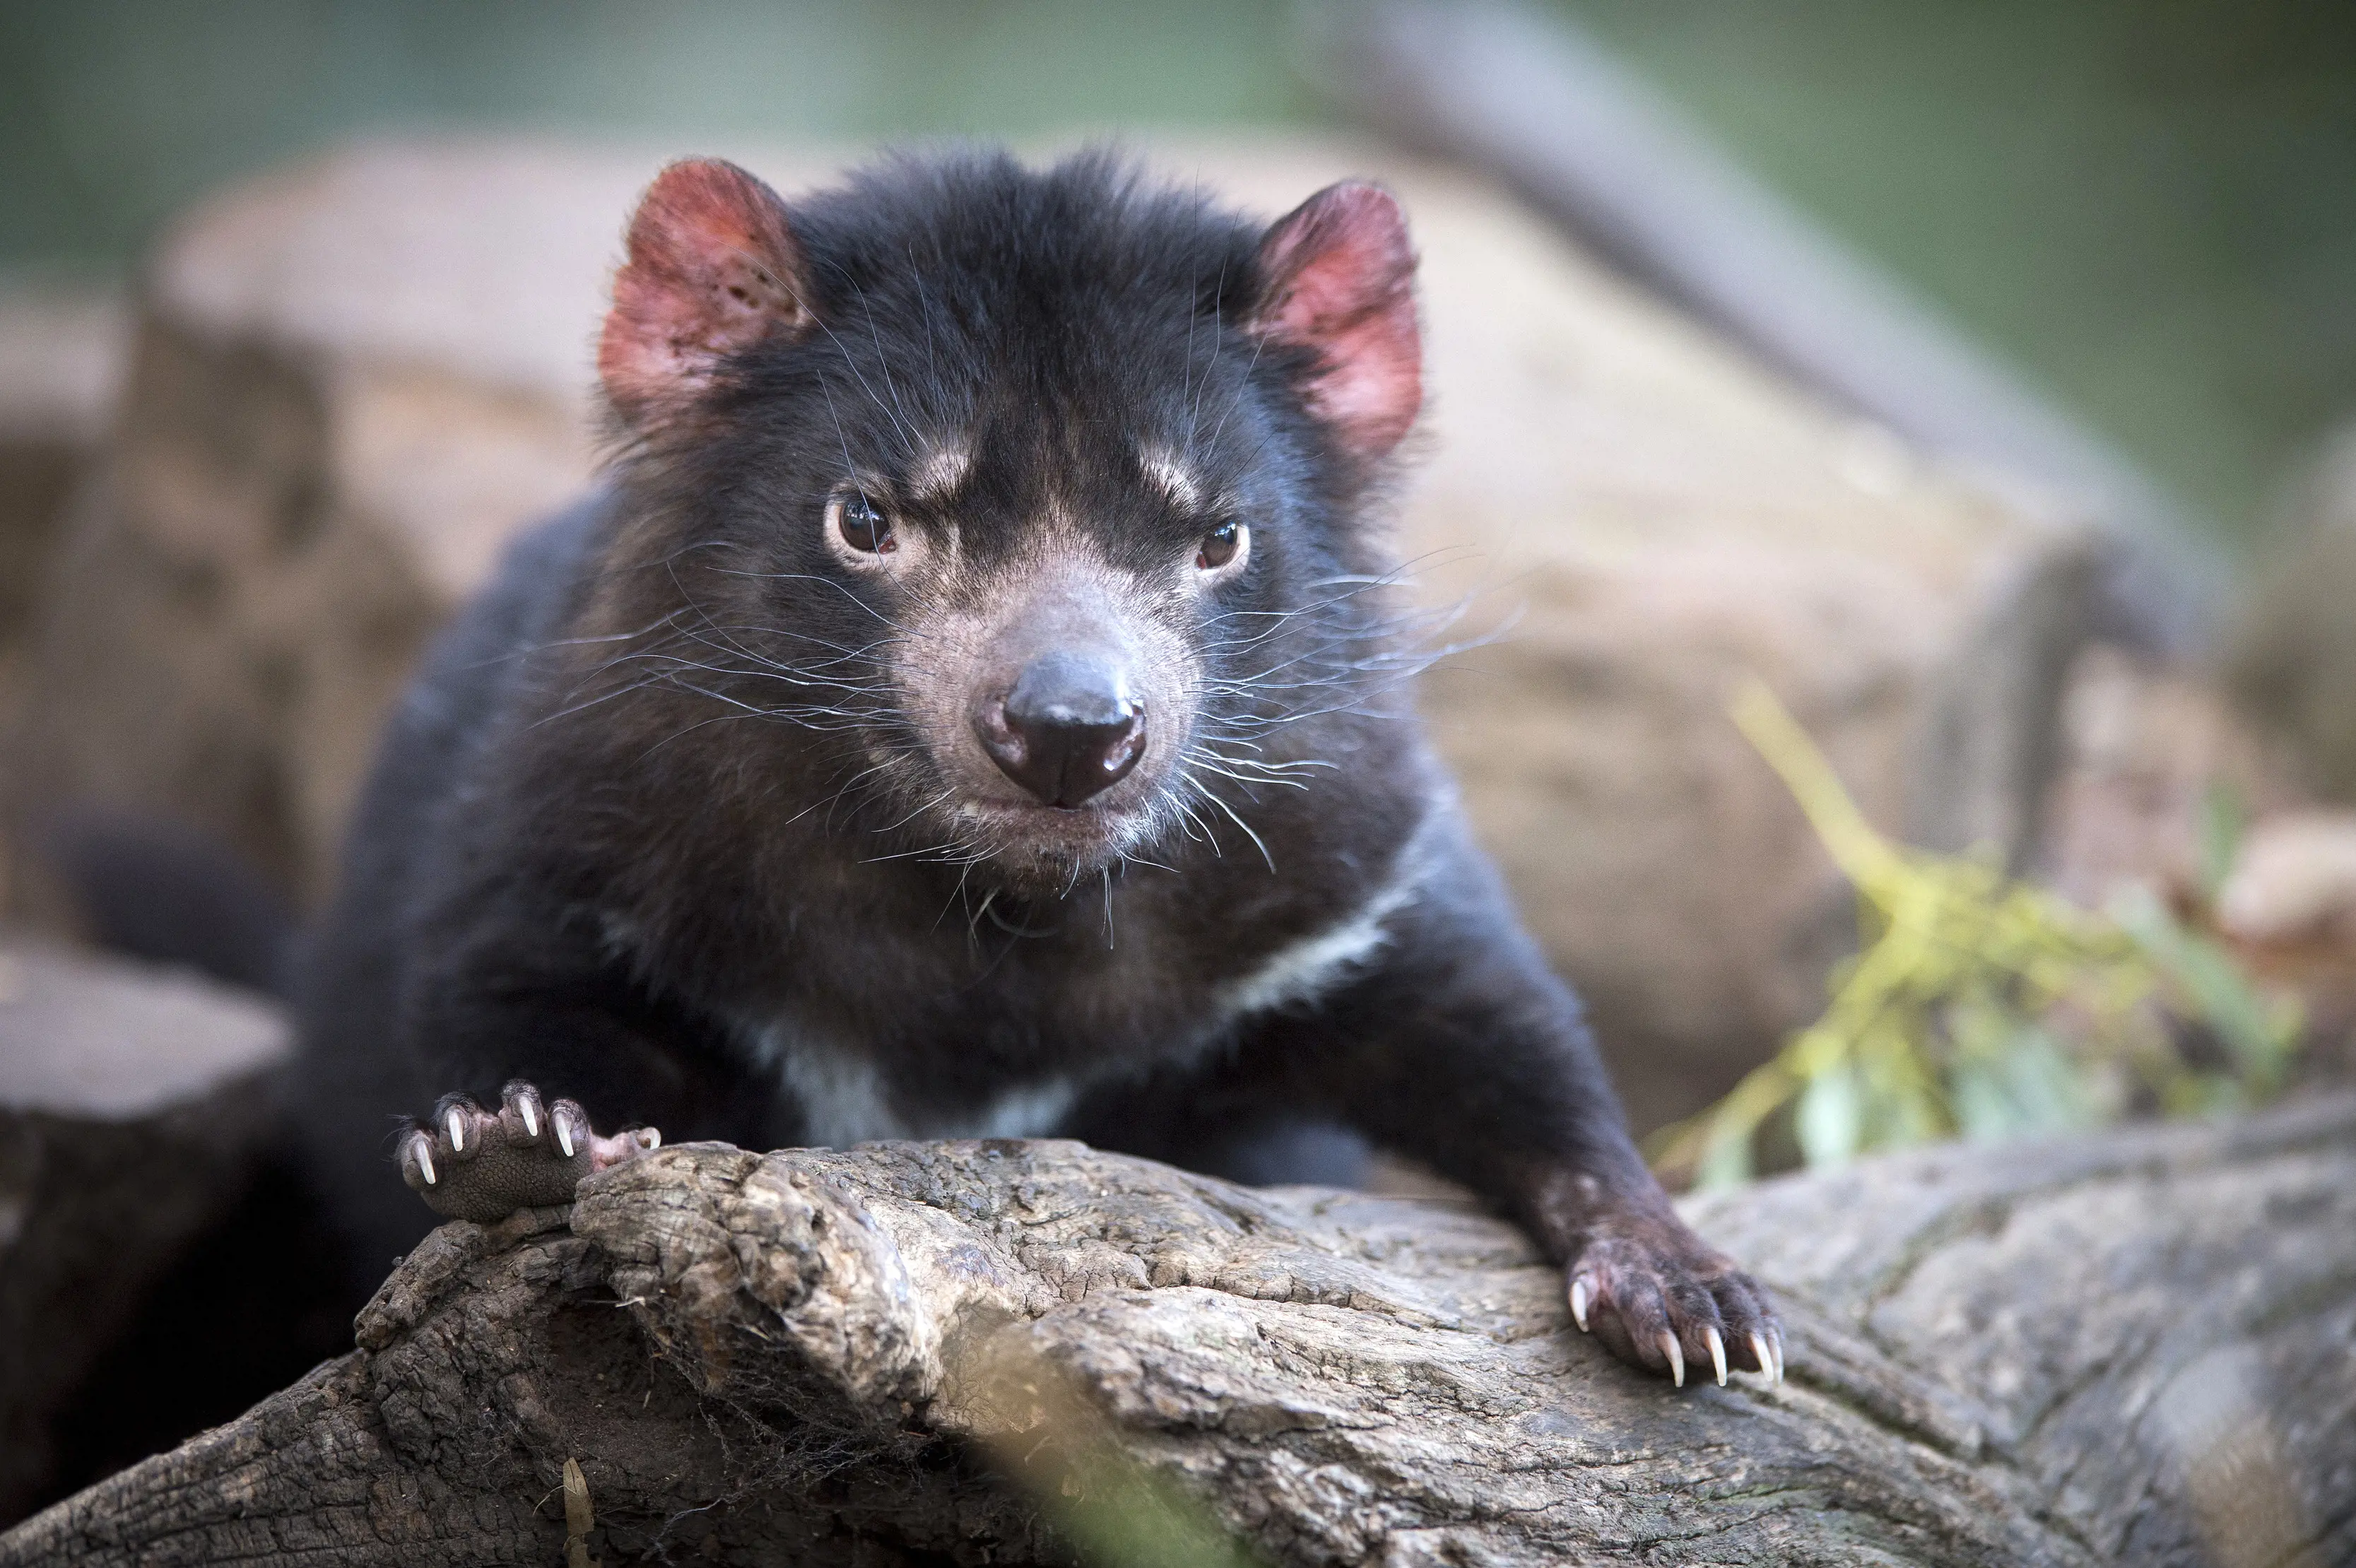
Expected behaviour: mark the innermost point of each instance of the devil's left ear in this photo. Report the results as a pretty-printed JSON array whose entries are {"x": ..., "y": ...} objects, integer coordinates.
[
  {"x": 712, "y": 269},
  {"x": 1337, "y": 277}
]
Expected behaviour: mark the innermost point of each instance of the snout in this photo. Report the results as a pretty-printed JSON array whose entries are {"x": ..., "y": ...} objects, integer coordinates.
[{"x": 1069, "y": 728}]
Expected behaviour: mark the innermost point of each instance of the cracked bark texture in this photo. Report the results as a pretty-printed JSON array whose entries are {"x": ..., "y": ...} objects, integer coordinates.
[{"x": 2130, "y": 1348}]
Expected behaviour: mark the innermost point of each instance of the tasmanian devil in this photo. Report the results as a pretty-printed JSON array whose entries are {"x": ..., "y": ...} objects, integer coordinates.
[{"x": 974, "y": 707}]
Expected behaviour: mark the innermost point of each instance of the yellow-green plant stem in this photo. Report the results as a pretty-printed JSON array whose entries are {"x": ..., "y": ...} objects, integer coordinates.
[{"x": 1978, "y": 1004}]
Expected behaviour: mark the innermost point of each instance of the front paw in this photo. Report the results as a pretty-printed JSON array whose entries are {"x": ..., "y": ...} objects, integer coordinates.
[
  {"x": 472, "y": 1164},
  {"x": 1661, "y": 1299}
]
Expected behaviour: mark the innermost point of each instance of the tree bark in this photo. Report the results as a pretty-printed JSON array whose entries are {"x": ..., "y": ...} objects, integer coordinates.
[
  {"x": 2130, "y": 1348},
  {"x": 136, "y": 1107}
]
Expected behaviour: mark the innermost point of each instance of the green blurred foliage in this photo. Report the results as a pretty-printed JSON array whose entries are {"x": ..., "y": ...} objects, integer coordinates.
[
  {"x": 2149, "y": 205},
  {"x": 115, "y": 113},
  {"x": 1985, "y": 1009},
  {"x": 1120, "y": 1515}
]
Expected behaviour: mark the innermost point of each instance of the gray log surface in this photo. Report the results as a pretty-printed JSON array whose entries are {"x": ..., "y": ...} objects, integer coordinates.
[
  {"x": 2133, "y": 1349},
  {"x": 136, "y": 1105}
]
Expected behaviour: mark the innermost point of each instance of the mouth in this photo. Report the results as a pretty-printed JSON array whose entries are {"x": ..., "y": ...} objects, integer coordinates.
[{"x": 1027, "y": 834}]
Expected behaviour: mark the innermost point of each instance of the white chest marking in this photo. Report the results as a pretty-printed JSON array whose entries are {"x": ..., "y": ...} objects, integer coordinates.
[
  {"x": 1302, "y": 970},
  {"x": 845, "y": 1100},
  {"x": 842, "y": 1095},
  {"x": 1030, "y": 1111}
]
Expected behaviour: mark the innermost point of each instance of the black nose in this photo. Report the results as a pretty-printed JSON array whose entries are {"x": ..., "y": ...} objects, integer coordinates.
[{"x": 1067, "y": 730}]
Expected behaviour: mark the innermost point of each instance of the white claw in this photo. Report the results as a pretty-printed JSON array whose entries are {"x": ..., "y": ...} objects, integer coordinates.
[
  {"x": 1677, "y": 1354},
  {"x": 1718, "y": 1355},
  {"x": 531, "y": 1118},
  {"x": 1779, "y": 1358},
  {"x": 425, "y": 1161},
  {"x": 1578, "y": 1303},
  {"x": 457, "y": 1125},
  {"x": 564, "y": 1137},
  {"x": 1763, "y": 1355}
]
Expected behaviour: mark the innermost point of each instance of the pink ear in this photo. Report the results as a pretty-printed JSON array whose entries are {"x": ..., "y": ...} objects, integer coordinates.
[
  {"x": 712, "y": 269},
  {"x": 1338, "y": 277}
]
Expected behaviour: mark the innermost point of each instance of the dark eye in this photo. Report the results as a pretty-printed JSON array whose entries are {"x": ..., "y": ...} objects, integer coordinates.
[
  {"x": 1220, "y": 545},
  {"x": 863, "y": 527}
]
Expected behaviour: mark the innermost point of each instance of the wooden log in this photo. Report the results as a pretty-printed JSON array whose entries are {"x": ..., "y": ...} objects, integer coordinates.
[
  {"x": 136, "y": 1111},
  {"x": 2128, "y": 1349}
]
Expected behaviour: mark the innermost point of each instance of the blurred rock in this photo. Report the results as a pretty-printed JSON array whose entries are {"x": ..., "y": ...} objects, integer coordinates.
[
  {"x": 2166, "y": 784},
  {"x": 60, "y": 366},
  {"x": 2296, "y": 879},
  {"x": 349, "y": 383},
  {"x": 61, "y": 355},
  {"x": 2289, "y": 909},
  {"x": 134, "y": 1112},
  {"x": 1648, "y": 519},
  {"x": 353, "y": 380},
  {"x": 2292, "y": 660},
  {"x": 2143, "y": 746}
]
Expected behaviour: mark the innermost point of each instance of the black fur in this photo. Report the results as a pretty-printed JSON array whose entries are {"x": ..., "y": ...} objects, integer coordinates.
[
  {"x": 660, "y": 806},
  {"x": 159, "y": 890}
]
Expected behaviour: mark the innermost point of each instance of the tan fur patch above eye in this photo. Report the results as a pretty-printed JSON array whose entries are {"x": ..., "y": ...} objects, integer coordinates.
[
  {"x": 1171, "y": 477},
  {"x": 937, "y": 477}
]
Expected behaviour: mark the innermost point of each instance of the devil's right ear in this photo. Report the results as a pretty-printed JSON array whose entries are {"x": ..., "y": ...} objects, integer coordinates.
[
  {"x": 712, "y": 269},
  {"x": 1337, "y": 276}
]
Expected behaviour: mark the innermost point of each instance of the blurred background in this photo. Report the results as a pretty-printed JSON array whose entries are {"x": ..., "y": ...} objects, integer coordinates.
[
  {"x": 1955, "y": 392},
  {"x": 2149, "y": 205}
]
